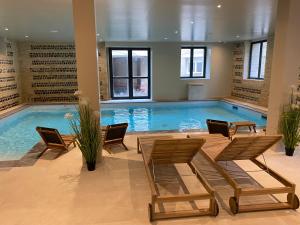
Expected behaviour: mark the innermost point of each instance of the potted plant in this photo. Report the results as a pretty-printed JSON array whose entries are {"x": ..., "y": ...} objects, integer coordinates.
[
  {"x": 289, "y": 126},
  {"x": 88, "y": 133}
]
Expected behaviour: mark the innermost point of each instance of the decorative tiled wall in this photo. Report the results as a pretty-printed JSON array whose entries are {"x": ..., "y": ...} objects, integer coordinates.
[
  {"x": 252, "y": 91},
  {"x": 9, "y": 76},
  {"x": 103, "y": 74},
  {"x": 49, "y": 72}
]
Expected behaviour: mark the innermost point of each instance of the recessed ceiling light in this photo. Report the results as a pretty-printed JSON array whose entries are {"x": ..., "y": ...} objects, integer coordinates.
[
  {"x": 26, "y": 36},
  {"x": 165, "y": 38},
  {"x": 176, "y": 31},
  {"x": 98, "y": 35},
  {"x": 192, "y": 22},
  {"x": 219, "y": 6},
  {"x": 6, "y": 28},
  {"x": 237, "y": 36},
  {"x": 53, "y": 31}
]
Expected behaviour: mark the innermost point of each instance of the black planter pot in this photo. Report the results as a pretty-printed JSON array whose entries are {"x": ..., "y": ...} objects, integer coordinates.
[
  {"x": 289, "y": 151},
  {"x": 91, "y": 166}
]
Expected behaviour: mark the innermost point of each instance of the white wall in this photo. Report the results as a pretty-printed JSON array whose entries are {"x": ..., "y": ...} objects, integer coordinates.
[
  {"x": 286, "y": 60},
  {"x": 166, "y": 82}
]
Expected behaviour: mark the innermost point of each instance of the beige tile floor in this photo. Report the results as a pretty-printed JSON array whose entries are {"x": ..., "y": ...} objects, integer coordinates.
[{"x": 61, "y": 192}]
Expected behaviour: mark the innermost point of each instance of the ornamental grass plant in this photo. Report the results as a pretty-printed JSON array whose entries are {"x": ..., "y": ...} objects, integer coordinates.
[
  {"x": 289, "y": 126},
  {"x": 87, "y": 130}
]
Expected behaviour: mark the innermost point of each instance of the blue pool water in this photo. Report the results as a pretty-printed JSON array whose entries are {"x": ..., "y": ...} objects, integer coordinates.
[{"x": 18, "y": 135}]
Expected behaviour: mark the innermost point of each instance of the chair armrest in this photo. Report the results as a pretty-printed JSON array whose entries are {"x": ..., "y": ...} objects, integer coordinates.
[{"x": 103, "y": 128}]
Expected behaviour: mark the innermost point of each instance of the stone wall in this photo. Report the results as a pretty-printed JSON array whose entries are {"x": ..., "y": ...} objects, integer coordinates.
[
  {"x": 9, "y": 75},
  {"x": 251, "y": 91},
  {"x": 49, "y": 73}
]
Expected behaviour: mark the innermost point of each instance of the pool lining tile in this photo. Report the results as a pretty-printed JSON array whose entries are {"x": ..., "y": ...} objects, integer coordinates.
[{"x": 29, "y": 159}]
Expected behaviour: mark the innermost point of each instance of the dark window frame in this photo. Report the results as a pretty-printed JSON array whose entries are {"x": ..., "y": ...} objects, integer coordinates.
[
  {"x": 130, "y": 73},
  {"x": 259, "y": 63},
  {"x": 192, "y": 63}
]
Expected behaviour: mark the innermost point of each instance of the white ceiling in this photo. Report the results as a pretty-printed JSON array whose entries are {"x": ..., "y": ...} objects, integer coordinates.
[{"x": 142, "y": 20}]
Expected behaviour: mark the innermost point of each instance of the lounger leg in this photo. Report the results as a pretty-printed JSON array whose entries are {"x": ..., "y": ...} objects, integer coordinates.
[
  {"x": 235, "y": 130},
  {"x": 42, "y": 152},
  {"x": 213, "y": 207},
  {"x": 124, "y": 146},
  {"x": 254, "y": 128},
  {"x": 108, "y": 150},
  {"x": 151, "y": 209},
  {"x": 138, "y": 145},
  {"x": 250, "y": 128}
]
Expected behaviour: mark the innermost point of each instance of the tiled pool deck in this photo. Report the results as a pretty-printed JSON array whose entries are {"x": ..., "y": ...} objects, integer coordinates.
[{"x": 61, "y": 191}]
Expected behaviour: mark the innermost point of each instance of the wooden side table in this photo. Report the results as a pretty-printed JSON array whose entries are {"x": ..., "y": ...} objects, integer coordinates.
[{"x": 239, "y": 124}]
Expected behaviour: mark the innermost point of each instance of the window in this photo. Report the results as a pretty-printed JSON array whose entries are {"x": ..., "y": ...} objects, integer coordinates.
[
  {"x": 258, "y": 53},
  {"x": 193, "y": 62},
  {"x": 129, "y": 73}
]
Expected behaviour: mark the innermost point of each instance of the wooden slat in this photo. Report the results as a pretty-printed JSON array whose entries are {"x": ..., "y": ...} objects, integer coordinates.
[
  {"x": 274, "y": 174},
  {"x": 179, "y": 150},
  {"x": 150, "y": 179},
  {"x": 206, "y": 185},
  {"x": 264, "y": 207},
  {"x": 180, "y": 214},
  {"x": 264, "y": 191},
  {"x": 242, "y": 148},
  {"x": 182, "y": 197}
]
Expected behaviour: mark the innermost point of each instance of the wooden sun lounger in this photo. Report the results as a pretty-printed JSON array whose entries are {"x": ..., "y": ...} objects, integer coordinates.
[
  {"x": 248, "y": 148},
  {"x": 171, "y": 151}
]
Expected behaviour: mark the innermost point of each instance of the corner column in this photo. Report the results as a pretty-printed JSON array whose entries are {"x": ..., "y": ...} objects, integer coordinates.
[
  {"x": 86, "y": 50},
  {"x": 285, "y": 63}
]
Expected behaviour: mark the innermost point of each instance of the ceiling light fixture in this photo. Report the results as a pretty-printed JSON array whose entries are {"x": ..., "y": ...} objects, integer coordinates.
[
  {"x": 219, "y": 6},
  {"x": 192, "y": 22},
  {"x": 176, "y": 31},
  {"x": 166, "y": 38},
  {"x": 237, "y": 36},
  {"x": 6, "y": 28},
  {"x": 97, "y": 35},
  {"x": 26, "y": 36},
  {"x": 53, "y": 31}
]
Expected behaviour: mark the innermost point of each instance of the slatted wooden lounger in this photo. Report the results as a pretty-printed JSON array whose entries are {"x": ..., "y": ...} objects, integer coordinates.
[
  {"x": 248, "y": 148},
  {"x": 170, "y": 151}
]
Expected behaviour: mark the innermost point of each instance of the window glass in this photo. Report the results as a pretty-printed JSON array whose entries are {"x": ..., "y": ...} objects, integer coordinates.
[
  {"x": 255, "y": 53},
  {"x": 120, "y": 63},
  {"x": 196, "y": 57},
  {"x": 130, "y": 73},
  {"x": 263, "y": 59},
  {"x": 258, "y": 60},
  {"x": 198, "y": 63},
  {"x": 185, "y": 62},
  {"x": 140, "y": 63}
]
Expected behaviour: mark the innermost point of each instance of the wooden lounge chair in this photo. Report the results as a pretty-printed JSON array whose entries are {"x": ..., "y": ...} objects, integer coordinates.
[
  {"x": 249, "y": 148},
  {"x": 219, "y": 127},
  {"x": 168, "y": 152},
  {"x": 54, "y": 140},
  {"x": 114, "y": 134}
]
